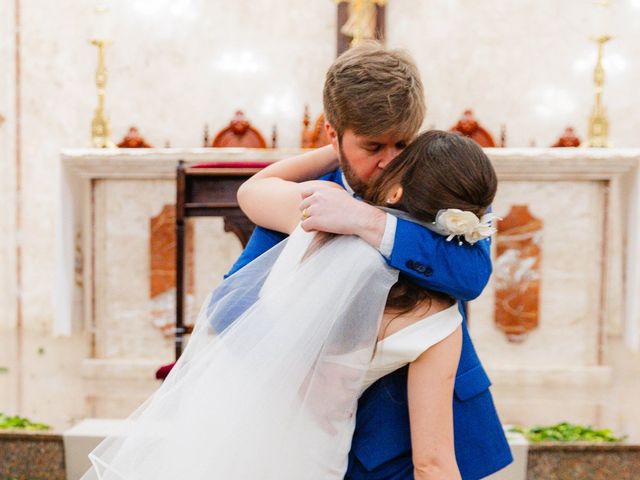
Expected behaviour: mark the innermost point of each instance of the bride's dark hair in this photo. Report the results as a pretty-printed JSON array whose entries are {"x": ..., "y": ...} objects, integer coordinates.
[{"x": 438, "y": 170}]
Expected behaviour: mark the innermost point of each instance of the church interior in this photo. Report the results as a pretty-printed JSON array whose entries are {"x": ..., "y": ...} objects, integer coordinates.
[{"x": 126, "y": 129}]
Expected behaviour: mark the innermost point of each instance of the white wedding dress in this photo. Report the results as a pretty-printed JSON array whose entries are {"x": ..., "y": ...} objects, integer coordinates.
[{"x": 268, "y": 385}]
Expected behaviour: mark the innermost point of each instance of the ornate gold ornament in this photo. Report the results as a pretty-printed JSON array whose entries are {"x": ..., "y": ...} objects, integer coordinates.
[
  {"x": 100, "y": 125},
  {"x": 598, "y": 131},
  {"x": 361, "y": 24}
]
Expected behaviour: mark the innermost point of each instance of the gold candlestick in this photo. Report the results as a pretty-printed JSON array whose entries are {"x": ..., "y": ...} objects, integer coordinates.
[
  {"x": 100, "y": 125},
  {"x": 598, "y": 134}
]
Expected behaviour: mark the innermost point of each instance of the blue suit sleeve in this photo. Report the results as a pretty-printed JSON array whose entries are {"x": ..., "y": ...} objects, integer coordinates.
[
  {"x": 426, "y": 258},
  {"x": 261, "y": 240}
]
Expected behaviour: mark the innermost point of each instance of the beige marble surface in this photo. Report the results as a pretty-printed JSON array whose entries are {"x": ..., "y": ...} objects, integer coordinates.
[
  {"x": 570, "y": 297},
  {"x": 212, "y": 262},
  {"x": 612, "y": 405},
  {"x": 123, "y": 322},
  {"x": 525, "y": 65},
  {"x": 9, "y": 370},
  {"x": 123, "y": 319}
]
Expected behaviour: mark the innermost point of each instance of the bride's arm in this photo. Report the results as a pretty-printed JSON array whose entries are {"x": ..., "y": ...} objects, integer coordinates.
[
  {"x": 272, "y": 196},
  {"x": 430, "y": 392}
]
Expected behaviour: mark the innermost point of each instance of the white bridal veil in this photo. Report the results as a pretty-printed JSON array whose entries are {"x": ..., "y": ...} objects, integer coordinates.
[{"x": 268, "y": 384}]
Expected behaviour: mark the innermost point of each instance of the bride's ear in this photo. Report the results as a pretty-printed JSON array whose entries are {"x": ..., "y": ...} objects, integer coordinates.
[{"x": 395, "y": 194}]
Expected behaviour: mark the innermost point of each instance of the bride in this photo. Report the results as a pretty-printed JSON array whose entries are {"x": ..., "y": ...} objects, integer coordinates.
[{"x": 268, "y": 385}]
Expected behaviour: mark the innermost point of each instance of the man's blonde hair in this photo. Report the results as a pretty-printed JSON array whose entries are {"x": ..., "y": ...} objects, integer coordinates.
[{"x": 373, "y": 90}]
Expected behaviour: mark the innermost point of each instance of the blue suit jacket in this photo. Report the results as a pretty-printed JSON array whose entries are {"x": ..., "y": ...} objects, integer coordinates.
[{"x": 381, "y": 446}]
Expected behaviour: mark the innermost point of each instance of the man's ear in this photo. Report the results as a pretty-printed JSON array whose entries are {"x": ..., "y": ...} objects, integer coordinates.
[{"x": 332, "y": 135}]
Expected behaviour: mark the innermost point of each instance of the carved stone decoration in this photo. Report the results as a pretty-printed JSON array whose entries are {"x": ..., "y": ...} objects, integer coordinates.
[
  {"x": 517, "y": 273},
  {"x": 133, "y": 139},
  {"x": 239, "y": 133},
  {"x": 313, "y": 137},
  {"x": 162, "y": 268},
  {"x": 469, "y": 127},
  {"x": 359, "y": 20},
  {"x": 568, "y": 139}
]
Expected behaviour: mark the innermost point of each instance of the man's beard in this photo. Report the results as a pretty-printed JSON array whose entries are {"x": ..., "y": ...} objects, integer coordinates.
[{"x": 359, "y": 187}]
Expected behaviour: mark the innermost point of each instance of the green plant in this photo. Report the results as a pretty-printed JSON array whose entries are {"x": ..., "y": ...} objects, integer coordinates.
[
  {"x": 16, "y": 422},
  {"x": 567, "y": 432}
]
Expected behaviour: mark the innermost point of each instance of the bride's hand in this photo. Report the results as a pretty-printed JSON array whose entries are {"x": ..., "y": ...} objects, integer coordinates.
[{"x": 333, "y": 210}]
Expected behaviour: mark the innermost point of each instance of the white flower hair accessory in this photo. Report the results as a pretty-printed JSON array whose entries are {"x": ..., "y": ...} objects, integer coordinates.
[{"x": 459, "y": 223}]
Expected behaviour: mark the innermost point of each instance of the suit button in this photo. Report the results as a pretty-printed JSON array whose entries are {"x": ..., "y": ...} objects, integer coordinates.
[
  {"x": 418, "y": 267},
  {"x": 409, "y": 264},
  {"x": 428, "y": 271}
]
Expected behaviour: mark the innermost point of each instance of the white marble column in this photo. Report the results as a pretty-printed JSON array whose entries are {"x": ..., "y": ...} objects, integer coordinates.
[
  {"x": 632, "y": 290},
  {"x": 9, "y": 345}
]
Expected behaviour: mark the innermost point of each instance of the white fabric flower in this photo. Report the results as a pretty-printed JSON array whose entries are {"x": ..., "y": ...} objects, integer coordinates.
[{"x": 454, "y": 222}]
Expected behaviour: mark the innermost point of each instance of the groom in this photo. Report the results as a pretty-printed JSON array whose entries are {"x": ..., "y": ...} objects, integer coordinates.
[{"x": 374, "y": 106}]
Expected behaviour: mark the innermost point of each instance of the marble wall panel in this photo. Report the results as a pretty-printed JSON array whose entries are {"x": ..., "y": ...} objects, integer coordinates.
[
  {"x": 516, "y": 273},
  {"x": 123, "y": 310},
  {"x": 124, "y": 321},
  {"x": 215, "y": 253},
  {"x": 570, "y": 290}
]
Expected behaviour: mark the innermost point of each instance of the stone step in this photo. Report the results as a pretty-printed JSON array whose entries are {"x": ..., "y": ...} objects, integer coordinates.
[{"x": 63, "y": 456}]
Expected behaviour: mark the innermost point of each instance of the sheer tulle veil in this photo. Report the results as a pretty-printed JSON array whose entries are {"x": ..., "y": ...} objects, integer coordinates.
[{"x": 269, "y": 382}]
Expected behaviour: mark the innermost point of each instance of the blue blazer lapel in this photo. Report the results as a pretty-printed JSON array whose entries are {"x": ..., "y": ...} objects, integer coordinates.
[{"x": 335, "y": 177}]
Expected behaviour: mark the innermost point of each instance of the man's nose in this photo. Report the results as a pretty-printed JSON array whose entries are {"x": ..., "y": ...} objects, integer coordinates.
[{"x": 387, "y": 156}]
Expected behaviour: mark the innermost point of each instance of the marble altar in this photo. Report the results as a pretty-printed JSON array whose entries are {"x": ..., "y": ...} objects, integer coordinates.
[{"x": 587, "y": 200}]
